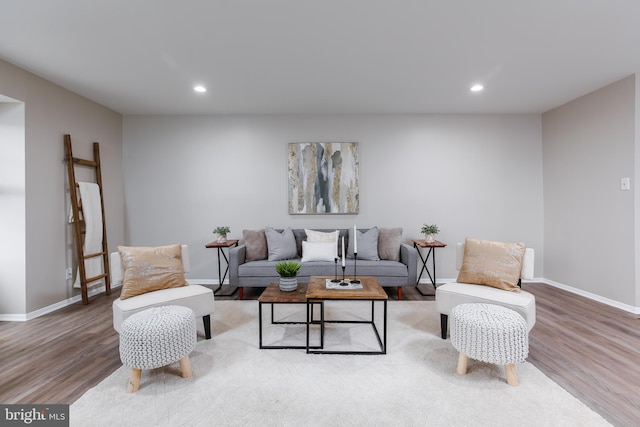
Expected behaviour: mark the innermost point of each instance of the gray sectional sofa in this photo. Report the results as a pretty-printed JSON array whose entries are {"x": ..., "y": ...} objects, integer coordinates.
[{"x": 388, "y": 271}]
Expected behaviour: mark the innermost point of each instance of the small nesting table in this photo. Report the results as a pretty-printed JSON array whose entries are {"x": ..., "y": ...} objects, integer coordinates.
[
  {"x": 489, "y": 333},
  {"x": 273, "y": 296}
]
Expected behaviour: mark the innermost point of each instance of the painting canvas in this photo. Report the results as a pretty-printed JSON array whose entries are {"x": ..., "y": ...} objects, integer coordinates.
[{"x": 323, "y": 178}]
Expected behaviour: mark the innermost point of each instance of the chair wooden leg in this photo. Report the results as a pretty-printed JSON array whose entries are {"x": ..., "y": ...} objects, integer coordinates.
[
  {"x": 240, "y": 292},
  {"x": 185, "y": 367},
  {"x": 399, "y": 293},
  {"x": 134, "y": 380},
  {"x": 512, "y": 375},
  {"x": 463, "y": 362}
]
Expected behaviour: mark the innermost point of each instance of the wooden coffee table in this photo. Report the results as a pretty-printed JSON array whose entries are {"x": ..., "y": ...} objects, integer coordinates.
[
  {"x": 317, "y": 293},
  {"x": 272, "y": 295}
]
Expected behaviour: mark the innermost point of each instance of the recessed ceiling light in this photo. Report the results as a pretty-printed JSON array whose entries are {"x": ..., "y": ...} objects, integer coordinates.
[
  {"x": 200, "y": 89},
  {"x": 477, "y": 88}
]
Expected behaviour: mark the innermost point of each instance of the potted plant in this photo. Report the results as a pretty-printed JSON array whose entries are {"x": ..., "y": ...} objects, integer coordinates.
[
  {"x": 430, "y": 232},
  {"x": 288, "y": 272},
  {"x": 222, "y": 233}
]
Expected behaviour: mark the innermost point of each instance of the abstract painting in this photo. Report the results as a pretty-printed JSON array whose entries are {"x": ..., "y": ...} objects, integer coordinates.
[{"x": 323, "y": 178}]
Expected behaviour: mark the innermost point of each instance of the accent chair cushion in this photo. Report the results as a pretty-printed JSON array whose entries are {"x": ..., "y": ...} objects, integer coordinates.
[
  {"x": 256, "y": 243},
  {"x": 148, "y": 269},
  {"x": 281, "y": 245},
  {"x": 318, "y": 251},
  {"x": 389, "y": 241},
  {"x": 490, "y": 263},
  {"x": 367, "y": 244}
]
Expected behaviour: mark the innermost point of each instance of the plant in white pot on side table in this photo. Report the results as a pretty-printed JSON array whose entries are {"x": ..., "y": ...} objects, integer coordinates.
[{"x": 430, "y": 232}]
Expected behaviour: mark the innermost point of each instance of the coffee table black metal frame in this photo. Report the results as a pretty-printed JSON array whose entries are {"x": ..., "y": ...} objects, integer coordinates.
[
  {"x": 294, "y": 298},
  {"x": 371, "y": 292},
  {"x": 382, "y": 341}
]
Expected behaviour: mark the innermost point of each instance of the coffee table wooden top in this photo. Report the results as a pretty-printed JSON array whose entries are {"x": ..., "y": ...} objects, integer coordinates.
[
  {"x": 273, "y": 294},
  {"x": 371, "y": 289}
]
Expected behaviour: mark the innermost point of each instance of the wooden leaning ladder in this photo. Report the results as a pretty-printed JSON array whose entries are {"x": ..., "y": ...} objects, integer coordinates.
[{"x": 76, "y": 209}]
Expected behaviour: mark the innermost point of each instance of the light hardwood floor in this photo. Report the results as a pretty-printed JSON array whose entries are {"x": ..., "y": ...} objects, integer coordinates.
[{"x": 590, "y": 349}]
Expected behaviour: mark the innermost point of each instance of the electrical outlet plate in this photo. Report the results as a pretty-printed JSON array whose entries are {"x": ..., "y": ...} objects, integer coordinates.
[
  {"x": 68, "y": 273},
  {"x": 625, "y": 184}
]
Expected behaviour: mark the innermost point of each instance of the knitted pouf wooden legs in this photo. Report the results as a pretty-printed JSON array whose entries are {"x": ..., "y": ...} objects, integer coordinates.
[
  {"x": 134, "y": 377},
  {"x": 510, "y": 369}
]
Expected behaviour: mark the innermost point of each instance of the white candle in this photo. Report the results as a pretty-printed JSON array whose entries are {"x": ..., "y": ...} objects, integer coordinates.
[
  {"x": 355, "y": 240},
  {"x": 343, "y": 263}
]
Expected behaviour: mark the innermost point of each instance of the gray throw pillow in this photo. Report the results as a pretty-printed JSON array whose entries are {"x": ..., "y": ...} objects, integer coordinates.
[
  {"x": 389, "y": 240},
  {"x": 281, "y": 245},
  {"x": 256, "y": 244},
  {"x": 367, "y": 244}
]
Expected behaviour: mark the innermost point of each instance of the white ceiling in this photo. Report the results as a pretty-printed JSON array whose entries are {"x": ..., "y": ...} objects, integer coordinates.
[{"x": 324, "y": 56}]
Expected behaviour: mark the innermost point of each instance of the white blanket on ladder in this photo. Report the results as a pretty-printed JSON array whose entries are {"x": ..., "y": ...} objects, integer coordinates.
[{"x": 92, "y": 214}]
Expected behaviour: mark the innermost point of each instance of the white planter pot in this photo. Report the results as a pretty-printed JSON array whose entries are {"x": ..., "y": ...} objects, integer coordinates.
[{"x": 288, "y": 284}]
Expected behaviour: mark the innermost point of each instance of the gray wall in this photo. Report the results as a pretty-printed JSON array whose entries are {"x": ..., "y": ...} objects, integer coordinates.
[
  {"x": 589, "y": 233},
  {"x": 50, "y": 112},
  {"x": 472, "y": 175}
]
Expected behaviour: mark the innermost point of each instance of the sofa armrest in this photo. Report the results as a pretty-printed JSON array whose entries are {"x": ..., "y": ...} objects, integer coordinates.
[
  {"x": 409, "y": 257},
  {"x": 237, "y": 256}
]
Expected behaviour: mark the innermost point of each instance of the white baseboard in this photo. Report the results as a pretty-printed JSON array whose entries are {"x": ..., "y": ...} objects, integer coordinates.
[
  {"x": 604, "y": 300},
  {"x": 50, "y": 308}
]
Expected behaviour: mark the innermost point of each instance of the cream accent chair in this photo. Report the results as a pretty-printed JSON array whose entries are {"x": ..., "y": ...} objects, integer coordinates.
[
  {"x": 451, "y": 294},
  {"x": 196, "y": 297}
]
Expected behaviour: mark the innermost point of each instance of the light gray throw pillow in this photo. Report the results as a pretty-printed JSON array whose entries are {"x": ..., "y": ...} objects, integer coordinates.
[
  {"x": 281, "y": 245},
  {"x": 389, "y": 240},
  {"x": 367, "y": 244}
]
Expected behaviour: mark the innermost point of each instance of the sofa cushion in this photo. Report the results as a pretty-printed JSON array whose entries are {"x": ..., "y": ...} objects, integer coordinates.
[
  {"x": 389, "y": 241},
  {"x": 322, "y": 251},
  {"x": 280, "y": 245},
  {"x": 367, "y": 244},
  {"x": 495, "y": 264},
  {"x": 256, "y": 241},
  {"x": 148, "y": 269}
]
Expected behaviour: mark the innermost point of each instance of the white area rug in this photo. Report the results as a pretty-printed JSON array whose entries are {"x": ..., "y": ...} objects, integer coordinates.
[{"x": 235, "y": 383}]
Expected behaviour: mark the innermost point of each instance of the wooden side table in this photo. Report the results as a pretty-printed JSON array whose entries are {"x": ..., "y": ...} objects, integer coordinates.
[
  {"x": 220, "y": 247},
  {"x": 422, "y": 244}
]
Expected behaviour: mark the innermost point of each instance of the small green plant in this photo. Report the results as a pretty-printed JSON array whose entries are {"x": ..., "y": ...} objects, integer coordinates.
[
  {"x": 222, "y": 231},
  {"x": 429, "y": 229},
  {"x": 287, "y": 268}
]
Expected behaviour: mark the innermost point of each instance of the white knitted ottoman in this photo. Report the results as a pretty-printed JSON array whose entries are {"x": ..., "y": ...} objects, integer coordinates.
[
  {"x": 157, "y": 337},
  {"x": 489, "y": 333}
]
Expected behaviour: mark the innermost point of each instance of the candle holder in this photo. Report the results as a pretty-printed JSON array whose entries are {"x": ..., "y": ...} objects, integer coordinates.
[
  {"x": 335, "y": 276},
  {"x": 343, "y": 283},
  {"x": 355, "y": 269}
]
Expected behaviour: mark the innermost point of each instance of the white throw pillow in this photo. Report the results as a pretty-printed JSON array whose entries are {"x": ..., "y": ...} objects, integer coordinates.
[
  {"x": 318, "y": 251},
  {"x": 321, "y": 236}
]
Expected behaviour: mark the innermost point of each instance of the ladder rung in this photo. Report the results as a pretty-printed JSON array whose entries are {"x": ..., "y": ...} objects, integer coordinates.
[
  {"x": 84, "y": 162},
  {"x": 94, "y": 255},
  {"x": 93, "y": 279}
]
